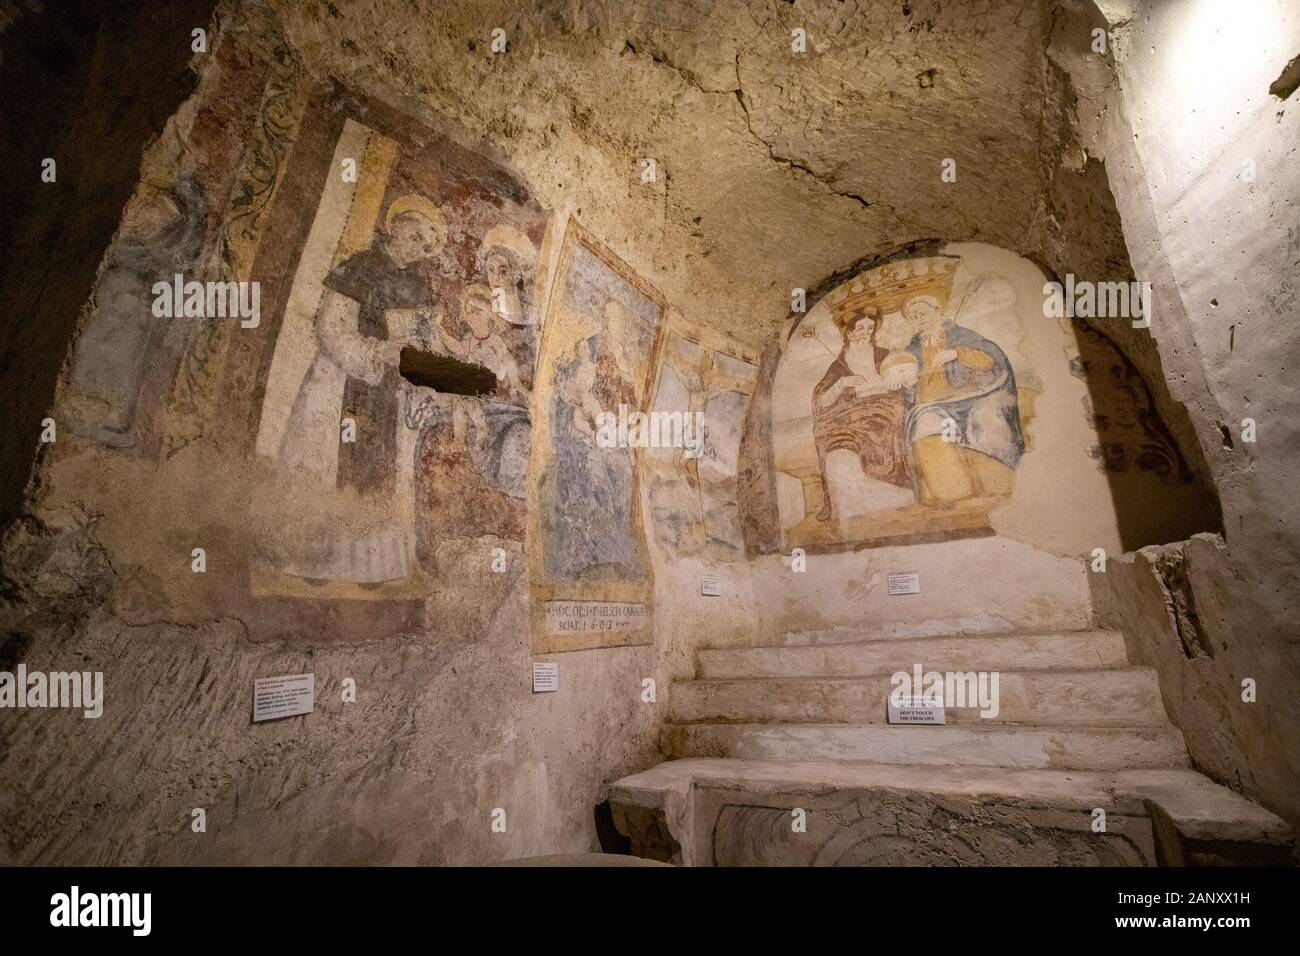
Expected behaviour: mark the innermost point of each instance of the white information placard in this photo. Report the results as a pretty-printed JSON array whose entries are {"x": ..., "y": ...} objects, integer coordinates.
[
  {"x": 546, "y": 677},
  {"x": 904, "y": 584},
  {"x": 710, "y": 585},
  {"x": 914, "y": 710},
  {"x": 275, "y": 697}
]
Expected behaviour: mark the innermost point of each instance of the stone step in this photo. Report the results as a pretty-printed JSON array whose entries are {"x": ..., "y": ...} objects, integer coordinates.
[
  {"x": 731, "y": 812},
  {"x": 988, "y": 745},
  {"x": 1117, "y": 697},
  {"x": 857, "y": 634},
  {"x": 1069, "y": 650}
]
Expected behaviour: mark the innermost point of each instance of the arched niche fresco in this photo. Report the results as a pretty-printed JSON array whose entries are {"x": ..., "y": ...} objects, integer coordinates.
[
  {"x": 929, "y": 397},
  {"x": 900, "y": 405}
]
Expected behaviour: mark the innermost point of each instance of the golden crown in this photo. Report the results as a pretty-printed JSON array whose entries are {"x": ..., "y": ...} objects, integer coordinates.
[{"x": 890, "y": 286}]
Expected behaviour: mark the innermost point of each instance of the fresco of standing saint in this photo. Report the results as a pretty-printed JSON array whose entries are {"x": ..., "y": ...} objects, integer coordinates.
[
  {"x": 692, "y": 488},
  {"x": 589, "y": 489},
  {"x": 591, "y": 576},
  {"x": 374, "y": 303}
]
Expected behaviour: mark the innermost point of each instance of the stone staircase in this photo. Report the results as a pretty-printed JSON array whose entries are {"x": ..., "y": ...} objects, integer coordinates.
[{"x": 783, "y": 756}]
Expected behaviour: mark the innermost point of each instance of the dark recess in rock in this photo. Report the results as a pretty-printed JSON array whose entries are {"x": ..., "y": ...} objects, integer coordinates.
[
  {"x": 442, "y": 373},
  {"x": 1288, "y": 80}
]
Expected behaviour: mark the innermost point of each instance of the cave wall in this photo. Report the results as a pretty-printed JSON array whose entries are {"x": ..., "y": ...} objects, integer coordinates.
[
  {"x": 160, "y": 421},
  {"x": 202, "y": 521},
  {"x": 1198, "y": 144}
]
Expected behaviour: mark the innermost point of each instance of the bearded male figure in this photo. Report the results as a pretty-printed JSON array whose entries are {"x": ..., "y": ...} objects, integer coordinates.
[{"x": 859, "y": 405}]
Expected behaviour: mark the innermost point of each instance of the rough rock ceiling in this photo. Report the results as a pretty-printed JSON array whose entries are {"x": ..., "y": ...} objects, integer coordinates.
[{"x": 775, "y": 169}]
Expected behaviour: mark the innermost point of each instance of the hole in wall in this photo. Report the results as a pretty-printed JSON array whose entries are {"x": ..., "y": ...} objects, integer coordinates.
[
  {"x": 1288, "y": 80},
  {"x": 442, "y": 373},
  {"x": 607, "y": 835}
]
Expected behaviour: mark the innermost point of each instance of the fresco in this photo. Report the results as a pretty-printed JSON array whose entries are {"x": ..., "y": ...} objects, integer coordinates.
[
  {"x": 692, "y": 495},
  {"x": 899, "y": 407},
  {"x": 1130, "y": 433},
  {"x": 139, "y": 382},
  {"x": 424, "y": 246},
  {"x": 112, "y": 360},
  {"x": 591, "y": 577}
]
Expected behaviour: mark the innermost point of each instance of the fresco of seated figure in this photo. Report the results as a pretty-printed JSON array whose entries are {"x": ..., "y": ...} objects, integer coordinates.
[{"x": 857, "y": 407}]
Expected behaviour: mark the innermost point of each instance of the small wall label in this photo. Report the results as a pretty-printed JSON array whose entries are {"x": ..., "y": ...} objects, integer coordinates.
[
  {"x": 546, "y": 677},
  {"x": 276, "y": 697},
  {"x": 914, "y": 710},
  {"x": 710, "y": 585},
  {"x": 594, "y": 617},
  {"x": 904, "y": 584}
]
